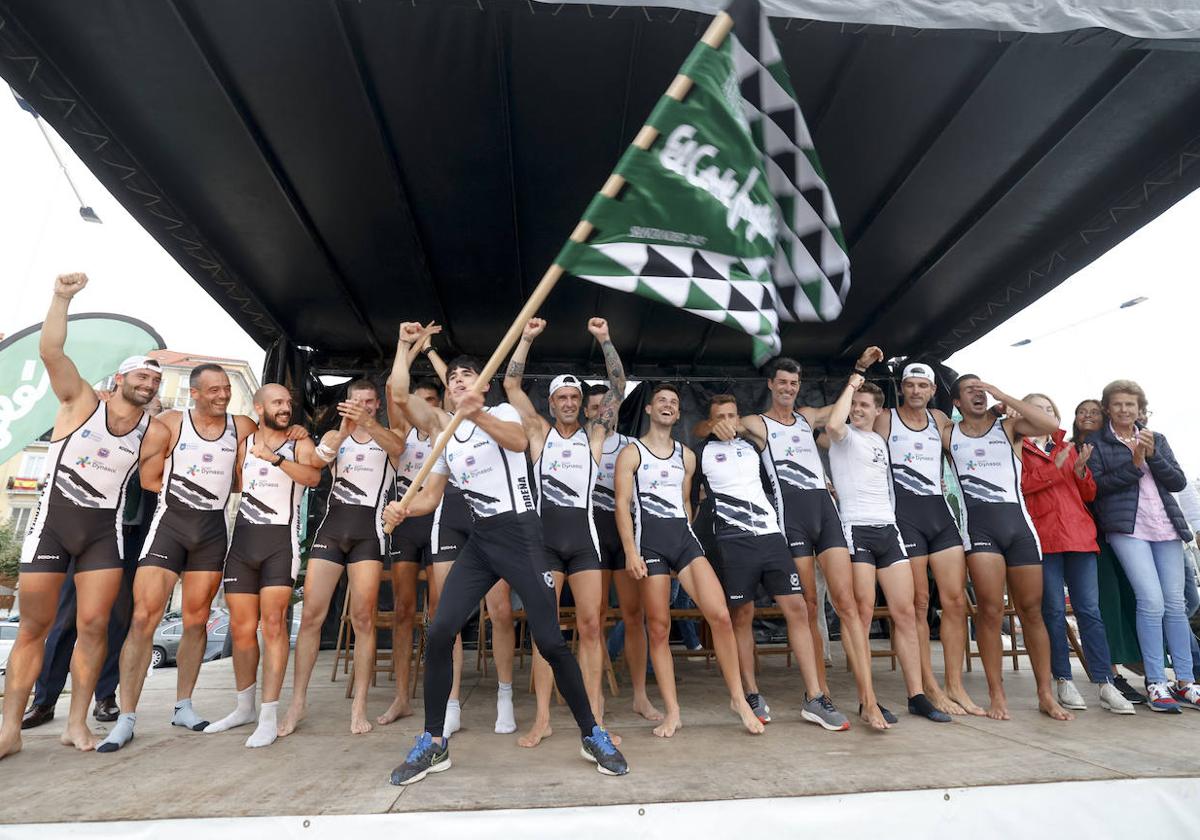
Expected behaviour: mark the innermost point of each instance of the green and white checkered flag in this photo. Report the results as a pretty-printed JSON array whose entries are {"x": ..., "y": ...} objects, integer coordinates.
[{"x": 727, "y": 214}]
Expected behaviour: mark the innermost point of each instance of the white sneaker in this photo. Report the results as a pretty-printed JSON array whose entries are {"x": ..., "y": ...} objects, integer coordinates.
[
  {"x": 1112, "y": 699},
  {"x": 1069, "y": 696}
]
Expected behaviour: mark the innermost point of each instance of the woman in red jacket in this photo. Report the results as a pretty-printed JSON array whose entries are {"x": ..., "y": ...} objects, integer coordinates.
[{"x": 1056, "y": 483}]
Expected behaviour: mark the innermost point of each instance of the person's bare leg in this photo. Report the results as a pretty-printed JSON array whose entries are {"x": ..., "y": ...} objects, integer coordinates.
[
  {"x": 39, "y": 603},
  {"x": 807, "y": 568},
  {"x": 950, "y": 573},
  {"x": 273, "y": 607},
  {"x": 656, "y": 600},
  {"x": 742, "y": 617},
  {"x": 96, "y": 591},
  {"x": 320, "y": 581},
  {"x": 835, "y": 564},
  {"x": 897, "y": 584},
  {"x": 152, "y": 588},
  {"x": 701, "y": 584},
  {"x": 364, "y": 598},
  {"x": 199, "y": 589},
  {"x": 404, "y": 597},
  {"x": 243, "y": 624},
  {"x": 629, "y": 598},
  {"x": 987, "y": 573},
  {"x": 921, "y": 596},
  {"x": 1025, "y": 589},
  {"x": 795, "y": 613},
  {"x": 543, "y": 685},
  {"x": 504, "y": 635}
]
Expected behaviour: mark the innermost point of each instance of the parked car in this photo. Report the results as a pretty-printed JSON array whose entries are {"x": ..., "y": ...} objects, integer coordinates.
[
  {"x": 170, "y": 631},
  {"x": 8, "y": 636}
]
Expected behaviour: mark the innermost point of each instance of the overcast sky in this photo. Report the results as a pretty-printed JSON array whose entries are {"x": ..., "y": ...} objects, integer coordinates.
[{"x": 1152, "y": 343}]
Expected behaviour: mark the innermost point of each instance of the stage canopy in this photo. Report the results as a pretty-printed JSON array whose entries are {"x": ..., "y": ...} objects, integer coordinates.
[{"x": 327, "y": 169}]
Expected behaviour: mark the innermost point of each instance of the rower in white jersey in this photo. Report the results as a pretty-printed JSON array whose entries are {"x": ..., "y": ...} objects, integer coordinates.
[
  {"x": 566, "y": 457},
  {"x": 754, "y": 553},
  {"x": 913, "y": 432},
  {"x": 485, "y": 457},
  {"x": 360, "y": 454},
  {"x": 654, "y": 479},
  {"x": 191, "y": 458},
  {"x": 264, "y": 558},
  {"x": 858, "y": 460},
  {"x": 1002, "y": 545},
  {"x": 808, "y": 517},
  {"x": 94, "y": 449}
]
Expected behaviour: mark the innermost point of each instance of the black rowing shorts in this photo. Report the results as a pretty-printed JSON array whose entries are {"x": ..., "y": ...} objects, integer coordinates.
[
  {"x": 811, "y": 523},
  {"x": 748, "y": 560},
  {"x": 879, "y": 545},
  {"x": 261, "y": 556},
  {"x": 667, "y": 545},
  {"x": 183, "y": 540},
  {"x": 926, "y": 524},
  {"x": 62, "y": 533},
  {"x": 1002, "y": 528},
  {"x": 569, "y": 540},
  {"x": 348, "y": 534}
]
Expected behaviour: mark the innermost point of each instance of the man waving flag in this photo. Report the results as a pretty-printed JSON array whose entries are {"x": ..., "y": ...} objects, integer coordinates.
[{"x": 726, "y": 214}]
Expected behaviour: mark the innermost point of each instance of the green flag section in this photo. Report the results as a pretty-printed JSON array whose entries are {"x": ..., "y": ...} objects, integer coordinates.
[
  {"x": 97, "y": 343},
  {"x": 727, "y": 215}
]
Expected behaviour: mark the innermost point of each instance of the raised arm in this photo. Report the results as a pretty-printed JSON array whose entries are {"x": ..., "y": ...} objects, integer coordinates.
[
  {"x": 818, "y": 417},
  {"x": 613, "y": 368},
  {"x": 627, "y": 464},
  {"x": 839, "y": 412},
  {"x": 503, "y": 423},
  {"x": 1031, "y": 420},
  {"x": 535, "y": 425},
  {"x": 420, "y": 413},
  {"x": 65, "y": 381}
]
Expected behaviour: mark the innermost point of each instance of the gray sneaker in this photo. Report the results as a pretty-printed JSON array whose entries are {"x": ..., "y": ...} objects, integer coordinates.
[
  {"x": 820, "y": 710},
  {"x": 758, "y": 705}
]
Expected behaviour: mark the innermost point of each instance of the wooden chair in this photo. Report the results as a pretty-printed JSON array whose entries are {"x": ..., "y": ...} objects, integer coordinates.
[
  {"x": 706, "y": 642},
  {"x": 345, "y": 640},
  {"x": 773, "y": 613},
  {"x": 484, "y": 647},
  {"x": 1015, "y": 652}
]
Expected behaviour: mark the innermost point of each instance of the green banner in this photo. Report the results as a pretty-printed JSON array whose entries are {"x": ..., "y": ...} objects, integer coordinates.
[{"x": 96, "y": 342}]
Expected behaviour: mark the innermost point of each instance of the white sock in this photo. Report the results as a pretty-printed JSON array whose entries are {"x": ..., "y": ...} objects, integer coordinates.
[
  {"x": 506, "y": 721},
  {"x": 268, "y": 729},
  {"x": 186, "y": 716},
  {"x": 453, "y": 718},
  {"x": 240, "y": 716},
  {"x": 121, "y": 734}
]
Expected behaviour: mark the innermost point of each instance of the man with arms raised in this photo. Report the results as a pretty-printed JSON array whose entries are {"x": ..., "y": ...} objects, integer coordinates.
[
  {"x": 486, "y": 456},
  {"x": 190, "y": 457},
  {"x": 859, "y": 464},
  {"x": 264, "y": 558},
  {"x": 78, "y": 520},
  {"x": 654, "y": 479},
  {"x": 565, "y": 459},
  {"x": 361, "y": 457},
  {"x": 753, "y": 553},
  {"x": 1002, "y": 544},
  {"x": 931, "y": 537}
]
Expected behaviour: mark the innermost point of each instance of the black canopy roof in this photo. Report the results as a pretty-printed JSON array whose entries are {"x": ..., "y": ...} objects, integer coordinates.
[{"x": 327, "y": 168}]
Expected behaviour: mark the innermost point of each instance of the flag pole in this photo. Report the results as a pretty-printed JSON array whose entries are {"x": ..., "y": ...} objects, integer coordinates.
[{"x": 714, "y": 36}]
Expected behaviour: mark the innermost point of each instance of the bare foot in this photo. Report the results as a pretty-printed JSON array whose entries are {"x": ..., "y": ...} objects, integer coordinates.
[
  {"x": 11, "y": 745},
  {"x": 1049, "y": 707},
  {"x": 294, "y": 715},
  {"x": 873, "y": 717},
  {"x": 400, "y": 708},
  {"x": 671, "y": 724},
  {"x": 742, "y": 709},
  {"x": 998, "y": 707},
  {"x": 943, "y": 703},
  {"x": 964, "y": 701},
  {"x": 646, "y": 709},
  {"x": 359, "y": 725},
  {"x": 78, "y": 735},
  {"x": 536, "y": 734}
]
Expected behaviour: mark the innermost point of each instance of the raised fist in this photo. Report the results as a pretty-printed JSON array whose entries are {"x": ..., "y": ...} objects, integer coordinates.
[
  {"x": 599, "y": 328},
  {"x": 533, "y": 329},
  {"x": 410, "y": 332},
  {"x": 69, "y": 285}
]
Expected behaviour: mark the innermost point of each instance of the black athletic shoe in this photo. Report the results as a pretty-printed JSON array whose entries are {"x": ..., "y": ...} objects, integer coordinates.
[
  {"x": 1129, "y": 692},
  {"x": 424, "y": 758},
  {"x": 919, "y": 705},
  {"x": 598, "y": 748},
  {"x": 758, "y": 704}
]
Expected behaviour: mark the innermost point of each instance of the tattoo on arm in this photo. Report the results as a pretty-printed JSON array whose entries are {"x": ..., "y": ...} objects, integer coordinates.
[
  {"x": 614, "y": 368},
  {"x": 515, "y": 370}
]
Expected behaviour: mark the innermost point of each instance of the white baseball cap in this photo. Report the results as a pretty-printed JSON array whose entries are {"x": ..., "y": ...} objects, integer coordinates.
[
  {"x": 919, "y": 371},
  {"x": 566, "y": 380},
  {"x": 139, "y": 363}
]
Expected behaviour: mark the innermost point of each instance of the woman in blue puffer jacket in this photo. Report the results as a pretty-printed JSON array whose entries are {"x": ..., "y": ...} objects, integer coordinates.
[{"x": 1136, "y": 473}]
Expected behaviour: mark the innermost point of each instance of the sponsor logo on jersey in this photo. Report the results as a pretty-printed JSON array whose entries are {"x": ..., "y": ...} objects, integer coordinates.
[
  {"x": 663, "y": 474},
  {"x": 979, "y": 453},
  {"x": 918, "y": 445},
  {"x": 184, "y": 446},
  {"x": 794, "y": 579},
  {"x": 609, "y": 465},
  {"x": 102, "y": 453},
  {"x": 360, "y": 457},
  {"x": 795, "y": 438},
  {"x": 721, "y": 457},
  {"x": 548, "y": 578},
  {"x": 47, "y": 557},
  {"x": 566, "y": 453},
  {"x": 419, "y": 454},
  {"x": 82, "y": 461},
  {"x": 207, "y": 457},
  {"x": 86, "y": 433},
  {"x": 470, "y": 460},
  {"x": 263, "y": 470}
]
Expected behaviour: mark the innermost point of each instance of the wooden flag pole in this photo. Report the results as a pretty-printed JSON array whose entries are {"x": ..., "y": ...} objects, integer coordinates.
[{"x": 714, "y": 36}]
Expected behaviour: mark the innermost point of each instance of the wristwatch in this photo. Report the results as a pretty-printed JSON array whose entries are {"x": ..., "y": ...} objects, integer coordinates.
[{"x": 278, "y": 461}]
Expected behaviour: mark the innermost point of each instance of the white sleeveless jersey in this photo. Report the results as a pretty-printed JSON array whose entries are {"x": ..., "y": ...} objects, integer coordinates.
[
  {"x": 361, "y": 474},
  {"x": 566, "y": 472},
  {"x": 658, "y": 484},
  {"x": 988, "y": 468},
  {"x": 732, "y": 474},
  {"x": 791, "y": 457},
  {"x": 493, "y": 479},
  {"x": 416, "y": 453},
  {"x": 916, "y": 456},
  {"x": 604, "y": 494},
  {"x": 269, "y": 495},
  {"x": 859, "y": 463},
  {"x": 91, "y": 466},
  {"x": 199, "y": 472}
]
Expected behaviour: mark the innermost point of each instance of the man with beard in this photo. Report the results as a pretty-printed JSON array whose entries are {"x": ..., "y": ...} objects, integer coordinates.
[
  {"x": 264, "y": 558},
  {"x": 93, "y": 452},
  {"x": 190, "y": 457},
  {"x": 1002, "y": 545}
]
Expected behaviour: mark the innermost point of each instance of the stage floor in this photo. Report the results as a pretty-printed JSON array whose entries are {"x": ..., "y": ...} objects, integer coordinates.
[{"x": 169, "y": 773}]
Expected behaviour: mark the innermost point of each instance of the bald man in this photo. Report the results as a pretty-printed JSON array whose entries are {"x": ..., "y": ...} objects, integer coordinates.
[{"x": 264, "y": 557}]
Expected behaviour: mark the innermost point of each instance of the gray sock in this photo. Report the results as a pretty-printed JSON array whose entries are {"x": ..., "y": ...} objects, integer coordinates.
[
  {"x": 121, "y": 734},
  {"x": 186, "y": 716}
]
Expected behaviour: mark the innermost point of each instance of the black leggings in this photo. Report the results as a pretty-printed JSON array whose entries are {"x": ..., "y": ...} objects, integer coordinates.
[{"x": 507, "y": 546}]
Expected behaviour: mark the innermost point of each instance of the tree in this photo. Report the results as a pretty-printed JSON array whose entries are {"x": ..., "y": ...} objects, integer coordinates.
[{"x": 10, "y": 552}]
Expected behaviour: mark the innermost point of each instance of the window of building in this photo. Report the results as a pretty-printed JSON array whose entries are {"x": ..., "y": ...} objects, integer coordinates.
[
  {"x": 183, "y": 394},
  {"x": 19, "y": 519},
  {"x": 33, "y": 465}
]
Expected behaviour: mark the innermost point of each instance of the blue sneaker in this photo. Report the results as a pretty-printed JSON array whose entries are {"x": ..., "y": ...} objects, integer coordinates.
[
  {"x": 598, "y": 748},
  {"x": 424, "y": 758},
  {"x": 1161, "y": 699}
]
